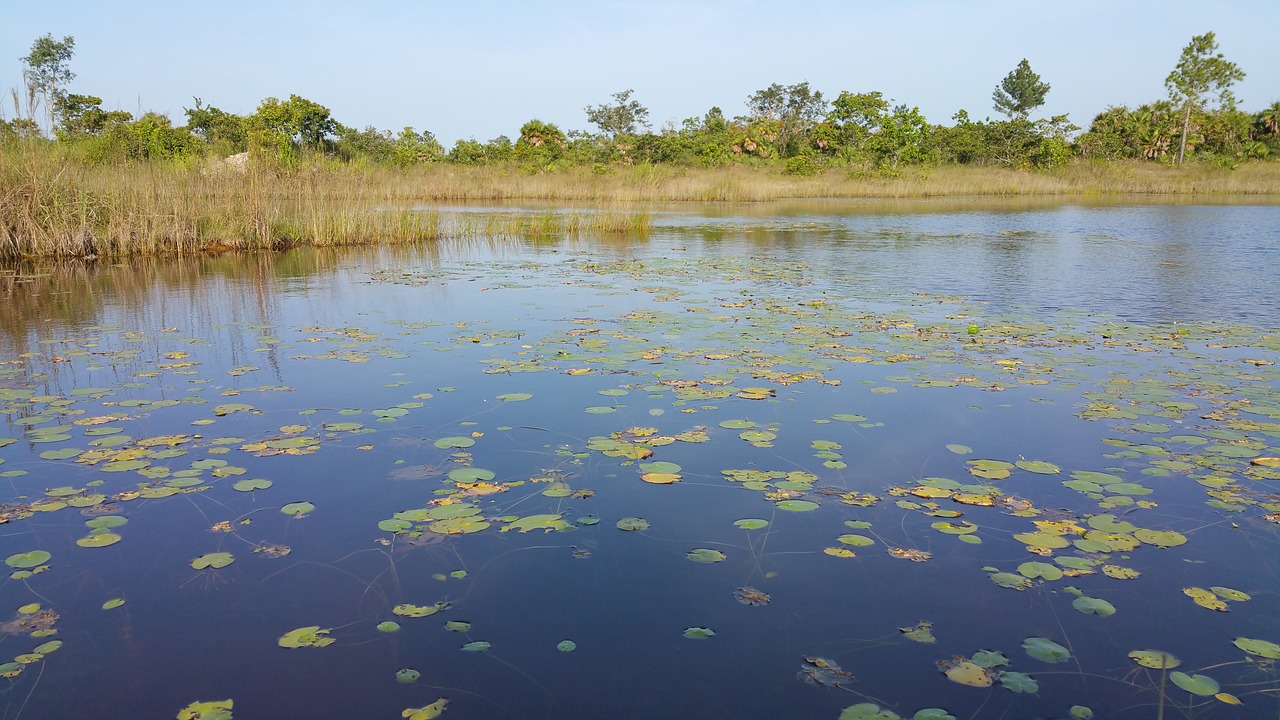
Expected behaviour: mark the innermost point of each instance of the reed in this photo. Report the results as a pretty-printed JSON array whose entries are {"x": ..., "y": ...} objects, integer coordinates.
[{"x": 54, "y": 205}]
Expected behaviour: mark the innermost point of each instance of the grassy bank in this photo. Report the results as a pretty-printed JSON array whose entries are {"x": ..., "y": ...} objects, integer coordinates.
[{"x": 51, "y": 205}]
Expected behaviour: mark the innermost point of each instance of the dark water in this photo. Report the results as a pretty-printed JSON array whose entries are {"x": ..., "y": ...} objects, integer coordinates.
[{"x": 1136, "y": 341}]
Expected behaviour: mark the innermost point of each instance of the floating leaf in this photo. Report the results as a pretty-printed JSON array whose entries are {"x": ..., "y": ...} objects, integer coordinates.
[
  {"x": 1201, "y": 685},
  {"x": 565, "y": 646},
  {"x": 1039, "y": 466},
  {"x": 310, "y": 636},
  {"x": 933, "y": 714},
  {"x": 459, "y": 441},
  {"x": 1157, "y": 659},
  {"x": 867, "y": 711},
  {"x": 297, "y": 509},
  {"x": 1231, "y": 594},
  {"x": 425, "y": 713},
  {"x": 1019, "y": 682},
  {"x": 1033, "y": 569},
  {"x": 477, "y": 646},
  {"x": 215, "y": 560},
  {"x": 1081, "y": 712},
  {"x": 1093, "y": 606},
  {"x": 98, "y": 539},
  {"x": 921, "y": 633},
  {"x": 750, "y": 596},
  {"x": 698, "y": 633},
  {"x": 251, "y": 485},
  {"x": 28, "y": 559},
  {"x": 1160, "y": 538},
  {"x": 546, "y": 523},
  {"x": 417, "y": 611},
  {"x": 964, "y": 671},
  {"x": 1046, "y": 650},
  {"x": 705, "y": 555},
  {"x": 797, "y": 505},
  {"x": 959, "y": 449},
  {"x": 989, "y": 659},
  {"x": 457, "y": 626},
  {"x": 113, "y": 603},
  {"x": 515, "y": 397},
  {"x": 632, "y": 523},
  {"x": 751, "y": 523},
  {"x": 207, "y": 710},
  {"x": 388, "y": 626},
  {"x": 407, "y": 675},
  {"x": 1205, "y": 599},
  {"x": 1261, "y": 648}
]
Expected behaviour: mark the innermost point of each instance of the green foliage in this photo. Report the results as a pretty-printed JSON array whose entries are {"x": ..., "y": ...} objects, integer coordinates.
[
  {"x": 623, "y": 117},
  {"x": 1020, "y": 92},
  {"x": 1201, "y": 73},
  {"x": 783, "y": 115},
  {"x": 46, "y": 72},
  {"x": 217, "y": 127},
  {"x": 82, "y": 115}
]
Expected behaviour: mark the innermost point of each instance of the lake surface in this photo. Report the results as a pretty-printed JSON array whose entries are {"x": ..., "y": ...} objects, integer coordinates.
[{"x": 787, "y": 460}]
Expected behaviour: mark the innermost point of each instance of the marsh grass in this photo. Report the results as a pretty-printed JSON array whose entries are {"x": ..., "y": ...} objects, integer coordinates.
[{"x": 53, "y": 205}]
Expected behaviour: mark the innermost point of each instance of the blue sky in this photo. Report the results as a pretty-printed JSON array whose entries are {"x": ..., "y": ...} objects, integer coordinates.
[{"x": 482, "y": 68}]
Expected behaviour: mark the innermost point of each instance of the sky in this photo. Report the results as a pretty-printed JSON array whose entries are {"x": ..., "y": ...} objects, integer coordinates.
[{"x": 482, "y": 68}]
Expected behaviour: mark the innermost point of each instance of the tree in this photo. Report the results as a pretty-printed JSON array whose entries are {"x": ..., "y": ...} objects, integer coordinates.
[
  {"x": 1201, "y": 72},
  {"x": 791, "y": 109},
  {"x": 46, "y": 73},
  {"x": 81, "y": 115},
  {"x": 1020, "y": 92},
  {"x": 624, "y": 117}
]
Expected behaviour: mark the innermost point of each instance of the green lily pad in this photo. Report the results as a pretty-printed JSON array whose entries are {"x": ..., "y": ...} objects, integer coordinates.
[
  {"x": 1019, "y": 682},
  {"x": 477, "y": 646},
  {"x": 698, "y": 633},
  {"x": 565, "y": 646},
  {"x": 705, "y": 555},
  {"x": 28, "y": 559},
  {"x": 407, "y": 675},
  {"x": 1261, "y": 648},
  {"x": 251, "y": 485},
  {"x": 855, "y": 540},
  {"x": 113, "y": 603},
  {"x": 213, "y": 560},
  {"x": 1201, "y": 685},
  {"x": 98, "y": 540},
  {"x": 632, "y": 523},
  {"x": 457, "y": 626},
  {"x": 457, "y": 441},
  {"x": 546, "y": 523},
  {"x": 515, "y": 397},
  {"x": 1093, "y": 606},
  {"x": 471, "y": 475},
  {"x": 395, "y": 525},
  {"x": 867, "y": 711},
  {"x": 297, "y": 509},
  {"x": 207, "y": 710},
  {"x": 1081, "y": 712},
  {"x": 388, "y": 626},
  {"x": 751, "y": 523},
  {"x": 310, "y": 636},
  {"x": 797, "y": 505},
  {"x": 1046, "y": 650},
  {"x": 457, "y": 526},
  {"x": 1160, "y": 538},
  {"x": 1039, "y": 466},
  {"x": 1159, "y": 659}
]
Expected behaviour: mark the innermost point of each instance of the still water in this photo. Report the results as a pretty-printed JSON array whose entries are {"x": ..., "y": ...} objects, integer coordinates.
[{"x": 929, "y": 460}]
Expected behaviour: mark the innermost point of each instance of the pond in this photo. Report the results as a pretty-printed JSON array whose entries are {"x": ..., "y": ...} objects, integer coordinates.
[{"x": 827, "y": 460}]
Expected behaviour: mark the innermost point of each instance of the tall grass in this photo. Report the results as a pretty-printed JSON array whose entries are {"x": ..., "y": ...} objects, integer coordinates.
[{"x": 55, "y": 205}]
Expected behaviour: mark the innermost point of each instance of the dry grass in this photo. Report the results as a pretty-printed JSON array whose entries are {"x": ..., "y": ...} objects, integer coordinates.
[{"x": 53, "y": 206}]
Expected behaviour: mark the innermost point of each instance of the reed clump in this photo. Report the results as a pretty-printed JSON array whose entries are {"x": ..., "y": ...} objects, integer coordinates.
[{"x": 55, "y": 205}]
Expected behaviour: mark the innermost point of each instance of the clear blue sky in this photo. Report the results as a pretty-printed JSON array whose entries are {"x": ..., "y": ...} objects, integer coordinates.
[{"x": 481, "y": 68}]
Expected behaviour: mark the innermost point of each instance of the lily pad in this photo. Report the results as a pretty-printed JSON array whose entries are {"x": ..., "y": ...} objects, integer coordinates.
[
  {"x": 28, "y": 559},
  {"x": 310, "y": 636},
  {"x": 1158, "y": 659},
  {"x": 705, "y": 555},
  {"x": 477, "y": 646},
  {"x": 1046, "y": 650},
  {"x": 388, "y": 626},
  {"x": 213, "y": 560},
  {"x": 565, "y": 646},
  {"x": 698, "y": 633},
  {"x": 797, "y": 505},
  {"x": 1201, "y": 685},
  {"x": 1261, "y": 648},
  {"x": 457, "y": 441},
  {"x": 407, "y": 675},
  {"x": 632, "y": 523},
  {"x": 251, "y": 485},
  {"x": 297, "y": 509},
  {"x": 1093, "y": 606},
  {"x": 751, "y": 523}
]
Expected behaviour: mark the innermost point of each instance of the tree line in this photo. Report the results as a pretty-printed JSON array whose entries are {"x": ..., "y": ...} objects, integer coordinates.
[{"x": 792, "y": 125}]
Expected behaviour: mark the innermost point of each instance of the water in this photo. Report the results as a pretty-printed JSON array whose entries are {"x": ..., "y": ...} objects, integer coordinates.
[{"x": 889, "y": 350}]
